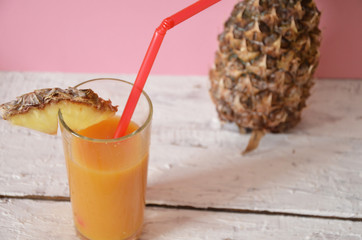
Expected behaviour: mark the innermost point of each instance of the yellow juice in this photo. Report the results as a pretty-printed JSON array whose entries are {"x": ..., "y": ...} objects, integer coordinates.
[{"x": 107, "y": 182}]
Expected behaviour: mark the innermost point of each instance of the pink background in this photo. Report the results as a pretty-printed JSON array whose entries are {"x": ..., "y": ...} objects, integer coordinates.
[{"x": 111, "y": 36}]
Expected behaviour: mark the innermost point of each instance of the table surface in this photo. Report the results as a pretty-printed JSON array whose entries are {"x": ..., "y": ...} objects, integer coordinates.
[{"x": 305, "y": 184}]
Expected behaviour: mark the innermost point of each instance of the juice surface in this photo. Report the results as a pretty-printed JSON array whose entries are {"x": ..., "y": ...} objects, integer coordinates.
[{"x": 107, "y": 182}]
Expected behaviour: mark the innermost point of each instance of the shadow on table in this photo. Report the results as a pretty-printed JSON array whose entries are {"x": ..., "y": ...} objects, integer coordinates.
[{"x": 277, "y": 177}]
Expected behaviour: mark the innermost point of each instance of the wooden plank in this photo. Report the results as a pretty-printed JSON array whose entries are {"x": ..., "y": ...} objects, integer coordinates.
[
  {"x": 28, "y": 219},
  {"x": 195, "y": 160},
  {"x": 305, "y": 175}
]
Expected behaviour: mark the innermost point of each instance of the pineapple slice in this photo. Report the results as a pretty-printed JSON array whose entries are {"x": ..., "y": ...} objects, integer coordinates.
[{"x": 38, "y": 110}]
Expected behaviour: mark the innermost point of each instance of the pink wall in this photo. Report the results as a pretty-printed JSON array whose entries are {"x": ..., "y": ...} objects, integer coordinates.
[{"x": 111, "y": 36}]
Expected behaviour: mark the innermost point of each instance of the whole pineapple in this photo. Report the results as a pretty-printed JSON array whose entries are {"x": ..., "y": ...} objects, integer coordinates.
[{"x": 263, "y": 70}]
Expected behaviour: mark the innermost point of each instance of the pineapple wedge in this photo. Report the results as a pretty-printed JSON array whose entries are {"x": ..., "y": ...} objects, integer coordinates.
[{"x": 38, "y": 110}]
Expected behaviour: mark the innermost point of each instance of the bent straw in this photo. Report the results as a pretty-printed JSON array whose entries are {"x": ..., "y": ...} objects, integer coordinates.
[{"x": 150, "y": 56}]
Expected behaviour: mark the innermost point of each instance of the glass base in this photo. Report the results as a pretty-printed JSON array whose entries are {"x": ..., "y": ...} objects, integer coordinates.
[{"x": 133, "y": 237}]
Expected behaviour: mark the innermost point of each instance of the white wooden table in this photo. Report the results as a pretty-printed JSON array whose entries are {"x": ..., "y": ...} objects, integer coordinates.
[{"x": 302, "y": 185}]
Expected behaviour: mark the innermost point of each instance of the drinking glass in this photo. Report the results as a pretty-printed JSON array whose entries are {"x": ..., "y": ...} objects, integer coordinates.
[{"x": 107, "y": 177}]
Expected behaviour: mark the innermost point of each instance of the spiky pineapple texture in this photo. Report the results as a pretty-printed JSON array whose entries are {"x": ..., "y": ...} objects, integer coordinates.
[{"x": 268, "y": 53}]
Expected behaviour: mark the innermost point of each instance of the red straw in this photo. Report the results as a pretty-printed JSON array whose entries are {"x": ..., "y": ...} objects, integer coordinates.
[{"x": 150, "y": 56}]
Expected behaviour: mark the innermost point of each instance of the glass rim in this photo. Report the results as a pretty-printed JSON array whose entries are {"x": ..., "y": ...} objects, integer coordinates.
[{"x": 138, "y": 130}]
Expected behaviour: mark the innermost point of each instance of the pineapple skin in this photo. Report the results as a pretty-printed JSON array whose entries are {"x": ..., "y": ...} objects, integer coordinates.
[
  {"x": 38, "y": 110},
  {"x": 268, "y": 53}
]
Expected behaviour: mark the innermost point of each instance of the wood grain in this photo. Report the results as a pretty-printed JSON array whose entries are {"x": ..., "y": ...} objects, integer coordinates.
[
  {"x": 195, "y": 160},
  {"x": 28, "y": 220}
]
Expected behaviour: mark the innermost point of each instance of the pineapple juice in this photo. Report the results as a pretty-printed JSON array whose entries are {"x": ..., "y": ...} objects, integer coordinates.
[{"x": 107, "y": 182}]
